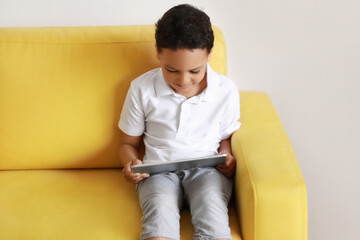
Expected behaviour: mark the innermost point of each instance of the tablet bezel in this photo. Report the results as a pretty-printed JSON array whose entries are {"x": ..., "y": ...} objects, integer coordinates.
[{"x": 171, "y": 166}]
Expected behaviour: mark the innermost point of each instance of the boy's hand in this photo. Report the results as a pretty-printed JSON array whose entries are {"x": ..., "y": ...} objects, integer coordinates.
[
  {"x": 134, "y": 177},
  {"x": 227, "y": 168}
]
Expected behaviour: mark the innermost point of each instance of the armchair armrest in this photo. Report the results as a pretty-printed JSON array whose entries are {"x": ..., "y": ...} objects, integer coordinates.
[{"x": 270, "y": 192}]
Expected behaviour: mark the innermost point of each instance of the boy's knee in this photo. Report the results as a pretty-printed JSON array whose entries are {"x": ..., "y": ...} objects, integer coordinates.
[
  {"x": 161, "y": 204},
  {"x": 213, "y": 205},
  {"x": 210, "y": 216}
]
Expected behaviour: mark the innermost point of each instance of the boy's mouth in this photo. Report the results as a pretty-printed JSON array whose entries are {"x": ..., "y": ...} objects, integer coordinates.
[{"x": 182, "y": 86}]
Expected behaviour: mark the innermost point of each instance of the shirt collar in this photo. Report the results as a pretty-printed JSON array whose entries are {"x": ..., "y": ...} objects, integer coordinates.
[
  {"x": 210, "y": 91},
  {"x": 162, "y": 88}
]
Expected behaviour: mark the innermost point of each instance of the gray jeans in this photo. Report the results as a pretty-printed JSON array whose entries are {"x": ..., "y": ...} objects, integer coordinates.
[{"x": 207, "y": 193}]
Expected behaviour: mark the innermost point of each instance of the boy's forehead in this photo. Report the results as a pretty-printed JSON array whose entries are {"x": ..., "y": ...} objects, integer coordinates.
[
  {"x": 184, "y": 58},
  {"x": 184, "y": 54}
]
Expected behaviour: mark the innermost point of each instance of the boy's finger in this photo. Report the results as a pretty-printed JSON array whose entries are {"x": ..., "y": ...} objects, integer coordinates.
[
  {"x": 140, "y": 176},
  {"x": 127, "y": 167},
  {"x": 224, "y": 165},
  {"x": 136, "y": 162},
  {"x": 145, "y": 175}
]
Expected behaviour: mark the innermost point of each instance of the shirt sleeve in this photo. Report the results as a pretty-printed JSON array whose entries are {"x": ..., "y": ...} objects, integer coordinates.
[
  {"x": 132, "y": 120},
  {"x": 230, "y": 123}
]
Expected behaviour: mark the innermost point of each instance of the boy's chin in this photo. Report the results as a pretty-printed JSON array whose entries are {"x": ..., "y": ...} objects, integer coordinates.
[{"x": 183, "y": 91}]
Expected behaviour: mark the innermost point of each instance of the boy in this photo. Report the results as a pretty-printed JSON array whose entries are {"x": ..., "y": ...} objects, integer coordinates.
[{"x": 181, "y": 110}]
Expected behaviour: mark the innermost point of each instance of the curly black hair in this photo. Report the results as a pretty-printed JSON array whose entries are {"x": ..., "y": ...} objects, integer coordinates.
[{"x": 184, "y": 26}]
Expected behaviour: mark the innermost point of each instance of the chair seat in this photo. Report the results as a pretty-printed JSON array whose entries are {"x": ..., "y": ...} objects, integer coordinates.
[{"x": 75, "y": 204}]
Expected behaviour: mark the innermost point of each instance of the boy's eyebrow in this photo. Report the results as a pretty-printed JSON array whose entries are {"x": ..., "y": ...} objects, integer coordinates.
[
  {"x": 169, "y": 67},
  {"x": 197, "y": 68}
]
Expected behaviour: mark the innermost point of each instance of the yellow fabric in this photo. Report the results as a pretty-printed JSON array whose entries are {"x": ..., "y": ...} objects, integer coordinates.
[
  {"x": 75, "y": 204},
  {"x": 62, "y": 89},
  {"x": 270, "y": 190},
  {"x": 61, "y": 93}
]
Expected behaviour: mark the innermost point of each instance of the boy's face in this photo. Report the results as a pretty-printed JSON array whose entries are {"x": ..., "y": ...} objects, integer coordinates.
[{"x": 185, "y": 70}]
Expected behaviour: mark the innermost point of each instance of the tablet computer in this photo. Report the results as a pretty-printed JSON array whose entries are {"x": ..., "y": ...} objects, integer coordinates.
[{"x": 171, "y": 166}]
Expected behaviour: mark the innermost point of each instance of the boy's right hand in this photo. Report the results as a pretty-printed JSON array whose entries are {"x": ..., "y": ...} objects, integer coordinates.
[{"x": 132, "y": 177}]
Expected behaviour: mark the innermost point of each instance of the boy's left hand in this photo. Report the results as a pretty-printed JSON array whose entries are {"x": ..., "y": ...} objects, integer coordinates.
[{"x": 227, "y": 168}]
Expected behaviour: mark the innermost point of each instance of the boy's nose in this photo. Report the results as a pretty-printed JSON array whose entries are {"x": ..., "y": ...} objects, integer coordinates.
[{"x": 184, "y": 79}]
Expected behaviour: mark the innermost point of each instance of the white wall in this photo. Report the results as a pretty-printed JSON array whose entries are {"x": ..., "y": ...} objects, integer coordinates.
[{"x": 304, "y": 53}]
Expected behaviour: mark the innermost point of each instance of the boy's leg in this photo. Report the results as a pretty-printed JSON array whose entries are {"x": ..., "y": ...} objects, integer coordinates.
[
  {"x": 160, "y": 198},
  {"x": 208, "y": 193}
]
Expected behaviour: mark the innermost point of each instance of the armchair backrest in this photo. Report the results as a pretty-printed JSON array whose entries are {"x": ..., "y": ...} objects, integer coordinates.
[{"x": 62, "y": 90}]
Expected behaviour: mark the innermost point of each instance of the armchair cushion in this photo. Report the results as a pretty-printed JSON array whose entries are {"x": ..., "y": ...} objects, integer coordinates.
[{"x": 76, "y": 204}]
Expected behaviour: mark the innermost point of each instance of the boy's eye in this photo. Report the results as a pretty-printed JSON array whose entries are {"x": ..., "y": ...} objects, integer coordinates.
[
  {"x": 175, "y": 71},
  {"x": 172, "y": 71}
]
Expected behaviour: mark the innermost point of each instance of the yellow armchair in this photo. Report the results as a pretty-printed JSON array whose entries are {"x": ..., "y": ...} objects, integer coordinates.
[{"x": 61, "y": 93}]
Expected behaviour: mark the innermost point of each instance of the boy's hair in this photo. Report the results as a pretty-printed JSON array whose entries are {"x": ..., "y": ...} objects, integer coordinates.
[{"x": 184, "y": 26}]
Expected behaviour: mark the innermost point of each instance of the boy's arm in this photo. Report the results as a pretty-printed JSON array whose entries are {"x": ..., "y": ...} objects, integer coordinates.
[
  {"x": 228, "y": 168},
  {"x": 129, "y": 155}
]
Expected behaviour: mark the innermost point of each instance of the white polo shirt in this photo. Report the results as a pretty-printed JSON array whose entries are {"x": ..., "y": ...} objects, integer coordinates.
[{"x": 175, "y": 127}]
